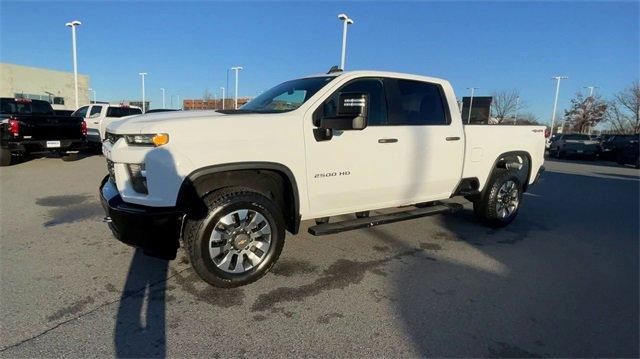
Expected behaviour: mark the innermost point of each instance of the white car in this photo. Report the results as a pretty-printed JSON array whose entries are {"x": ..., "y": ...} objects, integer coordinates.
[
  {"x": 98, "y": 116},
  {"x": 228, "y": 184}
]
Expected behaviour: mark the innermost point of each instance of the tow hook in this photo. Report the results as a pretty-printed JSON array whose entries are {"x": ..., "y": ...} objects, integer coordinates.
[{"x": 107, "y": 220}]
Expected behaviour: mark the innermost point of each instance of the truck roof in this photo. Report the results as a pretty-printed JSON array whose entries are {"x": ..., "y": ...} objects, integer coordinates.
[{"x": 373, "y": 73}]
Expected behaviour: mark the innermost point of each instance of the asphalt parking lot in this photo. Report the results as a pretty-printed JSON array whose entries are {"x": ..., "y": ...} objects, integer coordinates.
[{"x": 561, "y": 281}]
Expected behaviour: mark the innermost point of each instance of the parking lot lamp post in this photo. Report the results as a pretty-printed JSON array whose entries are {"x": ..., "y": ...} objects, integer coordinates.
[
  {"x": 179, "y": 103},
  {"x": 223, "y": 97},
  {"x": 515, "y": 117},
  {"x": 237, "y": 70},
  {"x": 162, "y": 89},
  {"x": 345, "y": 22},
  {"x": 94, "y": 95},
  {"x": 142, "y": 75},
  {"x": 555, "y": 102},
  {"x": 473, "y": 89},
  {"x": 73, "y": 24}
]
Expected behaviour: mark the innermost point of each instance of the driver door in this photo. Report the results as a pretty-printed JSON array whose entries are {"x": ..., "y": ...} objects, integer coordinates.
[{"x": 355, "y": 170}]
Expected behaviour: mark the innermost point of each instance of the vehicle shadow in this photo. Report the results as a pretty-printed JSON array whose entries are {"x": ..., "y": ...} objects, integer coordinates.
[
  {"x": 140, "y": 322},
  {"x": 561, "y": 280}
]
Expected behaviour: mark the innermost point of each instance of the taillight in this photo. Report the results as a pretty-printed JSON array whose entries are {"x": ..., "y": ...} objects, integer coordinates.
[
  {"x": 84, "y": 128},
  {"x": 14, "y": 127}
]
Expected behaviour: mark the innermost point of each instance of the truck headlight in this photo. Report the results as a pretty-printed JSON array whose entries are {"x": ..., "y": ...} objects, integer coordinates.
[
  {"x": 156, "y": 139},
  {"x": 138, "y": 177}
]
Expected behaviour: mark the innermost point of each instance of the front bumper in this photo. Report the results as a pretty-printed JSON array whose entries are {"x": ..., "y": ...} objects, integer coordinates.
[{"x": 156, "y": 230}]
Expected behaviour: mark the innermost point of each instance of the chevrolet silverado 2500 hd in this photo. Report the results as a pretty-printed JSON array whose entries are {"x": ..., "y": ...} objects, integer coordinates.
[{"x": 228, "y": 184}]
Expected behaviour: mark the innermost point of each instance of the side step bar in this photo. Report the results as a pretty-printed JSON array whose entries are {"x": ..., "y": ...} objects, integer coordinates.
[{"x": 331, "y": 228}]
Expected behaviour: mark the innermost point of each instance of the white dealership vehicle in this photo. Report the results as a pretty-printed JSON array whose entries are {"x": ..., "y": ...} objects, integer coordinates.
[
  {"x": 99, "y": 115},
  {"x": 228, "y": 184}
]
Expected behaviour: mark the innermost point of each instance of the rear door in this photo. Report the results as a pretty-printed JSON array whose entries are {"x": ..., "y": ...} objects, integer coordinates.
[{"x": 431, "y": 142}]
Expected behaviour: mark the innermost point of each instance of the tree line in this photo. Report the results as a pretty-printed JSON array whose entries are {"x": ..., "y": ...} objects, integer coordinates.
[{"x": 621, "y": 112}]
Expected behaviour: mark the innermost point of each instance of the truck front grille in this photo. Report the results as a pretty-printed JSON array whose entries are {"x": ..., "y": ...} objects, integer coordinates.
[
  {"x": 112, "y": 137},
  {"x": 112, "y": 173}
]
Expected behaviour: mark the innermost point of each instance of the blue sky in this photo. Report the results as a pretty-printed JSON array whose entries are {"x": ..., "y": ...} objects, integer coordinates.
[{"x": 186, "y": 47}]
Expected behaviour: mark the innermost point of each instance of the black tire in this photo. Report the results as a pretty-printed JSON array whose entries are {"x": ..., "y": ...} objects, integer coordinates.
[
  {"x": 199, "y": 227},
  {"x": 70, "y": 157},
  {"x": 5, "y": 157},
  {"x": 486, "y": 207}
]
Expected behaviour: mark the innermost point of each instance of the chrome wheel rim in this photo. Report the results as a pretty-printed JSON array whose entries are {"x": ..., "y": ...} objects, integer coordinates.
[
  {"x": 508, "y": 199},
  {"x": 240, "y": 241}
]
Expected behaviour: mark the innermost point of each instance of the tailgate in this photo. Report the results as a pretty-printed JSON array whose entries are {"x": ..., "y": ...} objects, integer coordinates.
[{"x": 50, "y": 127}]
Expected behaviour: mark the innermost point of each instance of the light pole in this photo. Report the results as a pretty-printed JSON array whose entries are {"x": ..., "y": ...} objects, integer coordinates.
[
  {"x": 591, "y": 89},
  {"x": 345, "y": 22},
  {"x": 515, "y": 117},
  {"x": 73, "y": 24},
  {"x": 179, "y": 103},
  {"x": 162, "y": 89},
  {"x": 223, "y": 97},
  {"x": 237, "y": 70},
  {"x": 555, "y": 102},
  {"x": 473, "y": 90},
  {"x": 94, "y": 95},
  {"x": 142, "y": 75}
]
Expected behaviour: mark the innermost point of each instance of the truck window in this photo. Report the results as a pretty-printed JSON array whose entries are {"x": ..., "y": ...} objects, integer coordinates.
[
  {"x": 25, "y": 107},
  {"x": 377, "y": 102},
  {"x": 95, "y": 110},
  {"x": 81, "y": 112},
  {"x": 287, "y": 96},
  {"x": 415, "y": 103},
  {"x": 122, "y": 111}
]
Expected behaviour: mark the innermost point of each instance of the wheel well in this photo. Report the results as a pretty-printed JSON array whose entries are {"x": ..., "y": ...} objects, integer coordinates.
[
  {"x": 519, "y": 161},
  {"x": 272, "y": 183}
]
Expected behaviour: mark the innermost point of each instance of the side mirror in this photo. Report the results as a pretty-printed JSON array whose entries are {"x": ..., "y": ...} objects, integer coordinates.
[{"x": 352, "y": 113}]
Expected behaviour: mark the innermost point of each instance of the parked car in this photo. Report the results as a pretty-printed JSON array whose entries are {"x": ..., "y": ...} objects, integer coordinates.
[
  {"x": 229, "y": 183},
  {"x": 99, "y": 115},
  {"x": 574, "y": 145},
  {"x": 31, "y": 126},
  {"x": 63, "y": 112},
  {"x": 629, "y": 154},
  {"x": 611, "y": 148}
]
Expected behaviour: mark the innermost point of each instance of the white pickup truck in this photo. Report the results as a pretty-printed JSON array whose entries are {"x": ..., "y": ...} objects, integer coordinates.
[{"x": 228, "y": 184}]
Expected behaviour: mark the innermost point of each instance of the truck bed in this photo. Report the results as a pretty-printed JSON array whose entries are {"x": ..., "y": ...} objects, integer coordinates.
[{"x": 486, "y": 143}]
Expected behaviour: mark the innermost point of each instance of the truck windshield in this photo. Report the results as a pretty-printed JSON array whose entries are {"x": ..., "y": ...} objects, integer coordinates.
[
  {"x": 25, "y": 107},
  {"x": 287, "y": 96}
]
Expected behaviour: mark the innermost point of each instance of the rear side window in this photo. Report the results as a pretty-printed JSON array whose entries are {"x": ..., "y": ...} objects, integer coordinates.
[
  {"x": 122, "y": 111},
  {"x": 415, "y": 103},
  {"x": 81, "y": 112},
  {"x": 95, "y": 110}
]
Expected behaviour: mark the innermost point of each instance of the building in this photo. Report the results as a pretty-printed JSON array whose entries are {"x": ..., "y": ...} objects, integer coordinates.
[
  {"x": 56, "y": 87},
  {"x": 213, "y": 104}
]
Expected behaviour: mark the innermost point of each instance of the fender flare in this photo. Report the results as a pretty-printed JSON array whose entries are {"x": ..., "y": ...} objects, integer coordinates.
[
  {"x": 236, "y": 166},
  {"x": 510, "y": 153}
]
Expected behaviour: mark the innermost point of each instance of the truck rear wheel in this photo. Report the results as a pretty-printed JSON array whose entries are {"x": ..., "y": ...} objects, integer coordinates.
[
  {"x": 500, "y": 203},
  {"x": 237, "y": 240},
  {"x": 5, "y": 157}
]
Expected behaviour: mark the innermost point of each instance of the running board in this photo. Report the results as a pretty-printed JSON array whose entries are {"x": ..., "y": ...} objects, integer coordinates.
[{"x": 331, "y": 228}]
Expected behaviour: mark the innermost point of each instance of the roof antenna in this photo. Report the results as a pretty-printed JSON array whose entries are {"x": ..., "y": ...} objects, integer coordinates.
[{"x": 334, "y": 69}]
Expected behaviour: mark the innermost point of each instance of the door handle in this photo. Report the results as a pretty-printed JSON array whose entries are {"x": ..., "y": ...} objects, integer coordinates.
[
  {"x": 453, "y": 138},
  {"x": 388, "y": 140}
]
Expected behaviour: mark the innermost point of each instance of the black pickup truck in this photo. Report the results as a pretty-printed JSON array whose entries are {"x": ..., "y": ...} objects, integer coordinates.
[{"x": 31, "y": 126}]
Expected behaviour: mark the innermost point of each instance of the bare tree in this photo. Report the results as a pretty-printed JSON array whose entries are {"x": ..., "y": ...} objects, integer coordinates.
[
  {"x": 624, "y": 110},
  {"x": 504, "y": 104},
  {"x": 585, "y": 113},
  {"x": 528, "y": 118}
]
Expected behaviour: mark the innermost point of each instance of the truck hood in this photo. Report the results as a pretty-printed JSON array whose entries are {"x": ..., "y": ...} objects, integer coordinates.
[{"x": 160, "y": 120}]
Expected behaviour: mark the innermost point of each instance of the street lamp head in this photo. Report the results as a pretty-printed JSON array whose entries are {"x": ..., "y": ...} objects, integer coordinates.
[
  {"x": 73, "y": 23},
  {"x": 142, "y": 73},
  {"x": 236, "y": 68},
  {"x": 345, "y": 18}
]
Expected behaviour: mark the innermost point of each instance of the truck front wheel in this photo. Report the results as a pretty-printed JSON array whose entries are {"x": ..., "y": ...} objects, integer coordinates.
[
  {"x": 499, "y": 205},
  {"x": 238, "y": 238},
  {"x": 5, "y": 157}
]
